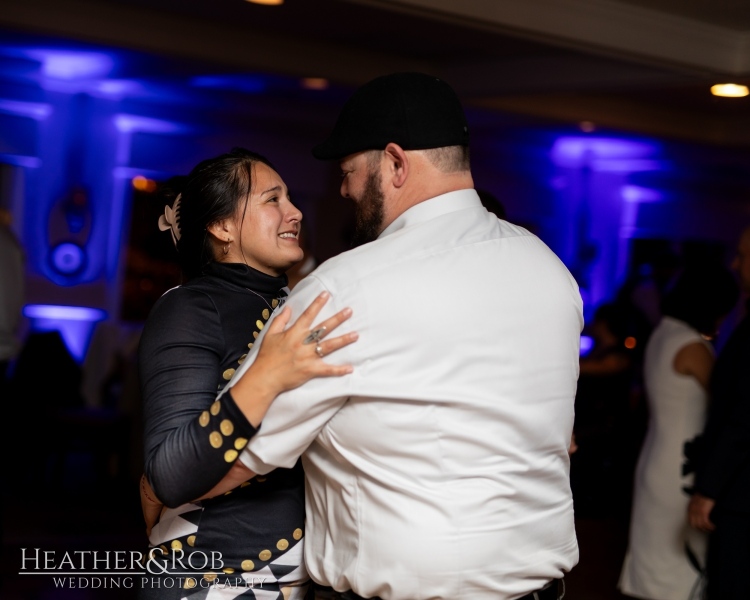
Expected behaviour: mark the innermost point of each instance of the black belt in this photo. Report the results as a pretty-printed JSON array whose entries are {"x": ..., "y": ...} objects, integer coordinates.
[{"x": 554, "y": 590}]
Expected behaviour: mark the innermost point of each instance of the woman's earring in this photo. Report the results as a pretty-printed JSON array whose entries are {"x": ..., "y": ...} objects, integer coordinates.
[{"x": 226, "y": 248}]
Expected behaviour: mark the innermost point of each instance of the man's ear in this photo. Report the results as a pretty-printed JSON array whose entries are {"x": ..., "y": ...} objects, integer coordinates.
[
  {"x": 223, "y": 231},
  {"x": 398, "y": 164}
]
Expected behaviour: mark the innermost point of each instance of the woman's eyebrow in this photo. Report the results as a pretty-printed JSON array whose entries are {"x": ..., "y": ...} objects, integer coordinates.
[{"x": 276, "y": 188}]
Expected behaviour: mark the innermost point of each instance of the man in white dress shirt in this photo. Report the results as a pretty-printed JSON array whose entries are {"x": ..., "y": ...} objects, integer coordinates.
[{"x": 439, "y": 468}]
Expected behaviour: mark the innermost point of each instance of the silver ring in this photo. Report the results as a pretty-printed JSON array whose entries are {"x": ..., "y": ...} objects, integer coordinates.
[
  {"x": 319, "y": 351},
  {"x": 314, "y": 336}
]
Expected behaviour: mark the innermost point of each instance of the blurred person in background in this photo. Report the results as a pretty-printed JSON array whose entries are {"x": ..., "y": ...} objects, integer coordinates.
[
  {"x": 11, "y": 295},
  {"x": 665, "y": 557},
  {"x": 599, "y": 472},
  {"x": 720, "y": 504}
]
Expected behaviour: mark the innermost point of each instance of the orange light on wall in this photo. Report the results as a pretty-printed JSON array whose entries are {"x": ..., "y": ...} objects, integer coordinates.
[
  {"x": 144, "y": 185},
  {"x": 630, "y": 343},
  {"x": 314, "y": 83},
  {"x": 267, "y": 2}
]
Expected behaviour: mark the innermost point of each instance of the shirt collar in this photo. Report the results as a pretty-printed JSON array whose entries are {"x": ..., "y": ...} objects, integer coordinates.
[{"x": 432, "y": 208}]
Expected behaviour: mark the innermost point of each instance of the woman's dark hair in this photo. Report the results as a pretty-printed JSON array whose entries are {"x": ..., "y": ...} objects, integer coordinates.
[
  {"x": 700, "y": 295},
  {"x": 212, "y": 191}
]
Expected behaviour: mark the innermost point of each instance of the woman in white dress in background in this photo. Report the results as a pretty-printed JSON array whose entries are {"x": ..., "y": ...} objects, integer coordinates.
[{"x": 677, "y": 367}]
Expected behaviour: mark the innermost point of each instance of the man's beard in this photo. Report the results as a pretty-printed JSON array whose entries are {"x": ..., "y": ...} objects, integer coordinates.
[{"x": 368, "y": 211}]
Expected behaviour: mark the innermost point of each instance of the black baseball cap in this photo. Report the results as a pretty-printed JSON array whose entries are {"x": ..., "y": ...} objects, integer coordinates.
[{"x": 414, "y": 110}]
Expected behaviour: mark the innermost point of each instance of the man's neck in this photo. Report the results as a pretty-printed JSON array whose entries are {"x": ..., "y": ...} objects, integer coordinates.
[{"x": 423, "y": 188}]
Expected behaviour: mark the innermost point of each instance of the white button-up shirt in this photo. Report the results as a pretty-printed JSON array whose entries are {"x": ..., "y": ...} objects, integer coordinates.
[{"x": 439, "y": 468}]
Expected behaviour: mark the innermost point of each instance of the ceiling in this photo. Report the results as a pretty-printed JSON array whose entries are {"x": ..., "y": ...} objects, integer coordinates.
[{"x": 641, "y": 66}]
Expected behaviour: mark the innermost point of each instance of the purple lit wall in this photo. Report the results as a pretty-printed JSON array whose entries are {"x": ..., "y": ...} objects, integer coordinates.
[
  {"x": 598, "y": 207},
  {"x": 71, "y": 147}
]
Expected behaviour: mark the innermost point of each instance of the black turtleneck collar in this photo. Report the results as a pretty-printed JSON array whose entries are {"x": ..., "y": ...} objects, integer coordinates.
[{"x": 246, "y": 277}]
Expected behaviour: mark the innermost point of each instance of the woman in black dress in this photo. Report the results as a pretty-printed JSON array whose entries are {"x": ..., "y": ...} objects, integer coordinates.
[{"x": 235, "y": 230}]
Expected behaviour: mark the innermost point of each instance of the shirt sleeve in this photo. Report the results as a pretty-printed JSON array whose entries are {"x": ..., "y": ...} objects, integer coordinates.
[
  {"x": 296, "y": 417},
  {"x": 191, "y": 438}
]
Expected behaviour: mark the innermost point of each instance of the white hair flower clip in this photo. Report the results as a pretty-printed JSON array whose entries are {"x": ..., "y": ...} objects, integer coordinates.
[{"x": 171, "y": 219}]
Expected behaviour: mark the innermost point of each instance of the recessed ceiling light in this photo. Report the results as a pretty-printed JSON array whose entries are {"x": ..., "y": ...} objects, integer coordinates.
[
  {"x": 729, "y": 90},
  {"x": 267, "y": 2}
]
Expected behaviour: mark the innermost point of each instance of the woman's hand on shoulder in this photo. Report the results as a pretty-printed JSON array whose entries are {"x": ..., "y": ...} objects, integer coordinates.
[{"x": 291, "y": 356}]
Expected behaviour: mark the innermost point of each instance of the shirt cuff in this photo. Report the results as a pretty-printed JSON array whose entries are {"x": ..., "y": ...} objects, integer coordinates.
[{"x": 252, "y": 462}]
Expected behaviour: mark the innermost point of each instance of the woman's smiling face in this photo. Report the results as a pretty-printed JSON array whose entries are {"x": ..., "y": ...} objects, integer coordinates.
[{"x": 269, "y": 227}]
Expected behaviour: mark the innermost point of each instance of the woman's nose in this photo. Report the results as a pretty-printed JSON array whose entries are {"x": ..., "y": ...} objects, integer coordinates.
[{"x": 294, "y": 213}]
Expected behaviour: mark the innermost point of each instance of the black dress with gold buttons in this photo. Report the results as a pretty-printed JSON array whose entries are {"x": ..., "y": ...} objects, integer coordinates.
[{"x": 248, "y": 542}]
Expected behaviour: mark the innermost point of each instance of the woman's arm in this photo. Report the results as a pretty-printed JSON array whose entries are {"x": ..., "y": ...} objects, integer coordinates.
[
  {"x": 152, "y": 507},
  {"x": 609, "y": 364},
  {"x": 695, "y": 360},
  {"x": 188, "y": 435},
  {"x": 192, "y": 439}
]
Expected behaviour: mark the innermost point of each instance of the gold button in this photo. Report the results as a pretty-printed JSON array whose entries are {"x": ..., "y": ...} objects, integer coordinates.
[
  {"x": 228, "y": 374},
  {"x": 228, "y": 570},
  {"x": 210, "y": 576},
  {"x": 176, "y": 545},
  {"x": 240, "y": 443},
  {"x": 247, "y": 565},
  {"x": 255, "y": 335},
  {"x": 264, "y": 554},
  {"x": 227, "y": 427},
  {"x": 215, "y": 408},
  {"x": 259, "y": 324},
  {"x": 244, "y": 484},
  {"x": 191, "y": 540},
  {"x": 297, "y": 535},
  {"x": 163, "y": 549},
  {"x": 250, "y": 345},
  {"x": 190, "y": 583},
  {"x": 215, "y": 439},
  {"x": 260, "y": 479},
  {"x": 204, "y": 418},
  {"x": 227, "y": 493},
  {"x": 274, "y": 302},
  {"x": 231, "y": 455},
  {"x": 282, "y": 545},
  {"x": 266, "y": 314}
]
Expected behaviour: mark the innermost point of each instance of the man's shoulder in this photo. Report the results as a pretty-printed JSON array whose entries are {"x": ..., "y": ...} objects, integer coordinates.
[{"x": 348, "y": 266}]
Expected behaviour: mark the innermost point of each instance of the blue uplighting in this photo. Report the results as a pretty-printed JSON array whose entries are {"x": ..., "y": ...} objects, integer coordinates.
[
  {"x": 575, "y": 151},
  {"x": 75, "y": 324},
  {"x": 249, "y": 84},
  {"x": 635, "y": 193},
  {"x": 72, "y": 65},
  {"x": 586, "y": 344},
  {"x": 34, "y": 110},
  {"x": 132, "y": 123},
  {"x": 68, "y": 258}
]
